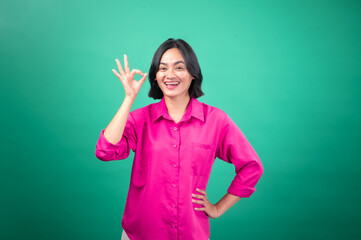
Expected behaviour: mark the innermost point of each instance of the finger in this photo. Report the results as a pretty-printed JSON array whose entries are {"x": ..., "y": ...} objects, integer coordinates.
[
  {"x": 198, "y": 196},
  {"x": 126, "y": 65},
  {"x": 198, "y": 201},
  {"x": 136, "y": 71},
  {"x": 119, "y": 66},
  {"x": 116, "y": 73},
  {"x": 200, "y": 209},
  {"x": 201, "y": 191},
  {"x": 143, "y": 78}
]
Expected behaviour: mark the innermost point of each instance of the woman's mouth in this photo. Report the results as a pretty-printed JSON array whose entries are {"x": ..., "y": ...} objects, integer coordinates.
[{"x": 171, "y": 85}]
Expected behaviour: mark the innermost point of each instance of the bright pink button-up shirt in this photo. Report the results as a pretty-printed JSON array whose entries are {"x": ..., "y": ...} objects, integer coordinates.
[{"x": 173, "y": 159}]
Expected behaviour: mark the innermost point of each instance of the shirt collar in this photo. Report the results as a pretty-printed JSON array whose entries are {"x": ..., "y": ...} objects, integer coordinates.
[{"x": 194, "y": 109}]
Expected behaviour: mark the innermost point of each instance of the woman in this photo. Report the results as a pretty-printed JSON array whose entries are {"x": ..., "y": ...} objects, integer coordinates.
[{"x": 175, "y": 142}]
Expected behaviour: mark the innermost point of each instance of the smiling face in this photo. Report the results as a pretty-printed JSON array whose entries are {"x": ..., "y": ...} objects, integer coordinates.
[{"x": 173, "y": 77}]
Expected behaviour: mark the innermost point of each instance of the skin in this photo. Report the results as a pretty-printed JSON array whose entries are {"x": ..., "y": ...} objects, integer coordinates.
[
  {"x": 214, "y": 210},
  {"x": 114, "y": 131},
  {"x": 126, "y": 77},
  {"x": 172, "y": 68}
]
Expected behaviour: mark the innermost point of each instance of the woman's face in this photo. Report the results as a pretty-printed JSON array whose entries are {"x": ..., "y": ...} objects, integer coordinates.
[{"x": 173, "y": 77}]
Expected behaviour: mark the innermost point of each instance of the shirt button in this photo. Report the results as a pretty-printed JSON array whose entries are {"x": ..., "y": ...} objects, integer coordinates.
[
  {"x": 175, "y": 128},
  {"x": 174, "y": 165},
  {"x": 174, "y": 185},
  {"x": 174, "y": 145},
  {"x": 174, "y": 226},
  {"x": 173, "y": 205}
]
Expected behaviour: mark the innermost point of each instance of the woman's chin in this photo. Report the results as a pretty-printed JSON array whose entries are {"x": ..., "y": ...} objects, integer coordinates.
[{"x": 170, "y": 93}]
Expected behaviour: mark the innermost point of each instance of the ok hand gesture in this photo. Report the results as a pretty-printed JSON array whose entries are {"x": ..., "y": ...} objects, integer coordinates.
[{"x": 131, "y": 86}]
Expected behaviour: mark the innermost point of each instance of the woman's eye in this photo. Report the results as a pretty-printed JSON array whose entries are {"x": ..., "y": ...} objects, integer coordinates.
[
  {"x": 162, "y": 68},
  {"x": 179, "y": 68}
]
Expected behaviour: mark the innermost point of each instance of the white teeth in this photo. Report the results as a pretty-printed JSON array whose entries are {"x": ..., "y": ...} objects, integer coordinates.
[{"x": 172, "y": 83}]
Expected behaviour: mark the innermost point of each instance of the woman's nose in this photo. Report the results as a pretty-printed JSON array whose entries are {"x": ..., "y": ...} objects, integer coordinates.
[{"x": 170, "y": 74}]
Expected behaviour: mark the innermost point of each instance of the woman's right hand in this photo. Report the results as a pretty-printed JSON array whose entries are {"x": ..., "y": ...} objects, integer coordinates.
[{"x": 131, "y": 86}]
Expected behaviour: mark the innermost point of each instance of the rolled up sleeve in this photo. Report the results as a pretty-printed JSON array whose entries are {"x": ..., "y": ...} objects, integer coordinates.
[
  {"x": 107, "y": 151},
  {"x": 234, "y": 148}
]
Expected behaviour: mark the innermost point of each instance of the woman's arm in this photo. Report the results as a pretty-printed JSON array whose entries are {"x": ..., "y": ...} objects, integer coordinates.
[
  {"x": 233, "y": 147},
  {"x": 218, "y": 209},
  {"x": 226, "y": 203},
  {"x": 114, "y": 131}
]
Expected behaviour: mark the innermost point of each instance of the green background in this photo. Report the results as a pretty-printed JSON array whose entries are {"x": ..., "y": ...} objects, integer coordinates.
[{"x": 287, "y": 72}]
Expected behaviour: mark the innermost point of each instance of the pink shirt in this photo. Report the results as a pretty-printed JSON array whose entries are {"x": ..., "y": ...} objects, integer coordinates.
[{"x": 172, "y": 160}]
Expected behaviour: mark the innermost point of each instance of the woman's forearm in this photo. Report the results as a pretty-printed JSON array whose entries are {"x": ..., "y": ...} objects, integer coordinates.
[
  {"x": 114, "y": 131},
  {"x": 226, "y": 203}
]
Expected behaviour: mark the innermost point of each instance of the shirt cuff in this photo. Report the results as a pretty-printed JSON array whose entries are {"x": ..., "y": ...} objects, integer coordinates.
[
  {"x": 107, "y": 151},
  {"x": 104, "y": 144},
  {"x": 240, "y": 190}
]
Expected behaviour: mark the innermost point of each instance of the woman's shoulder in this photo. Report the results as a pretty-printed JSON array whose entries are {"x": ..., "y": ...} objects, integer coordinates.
[
  {"x": 142, "y": 112},
  {"x": 213, "y": 110},
  {"x": 214, "y": 113},
  {"x": 218, "y": 115}
]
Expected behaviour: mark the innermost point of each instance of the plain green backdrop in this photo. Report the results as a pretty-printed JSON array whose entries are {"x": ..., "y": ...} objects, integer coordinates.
[{"x": 287, "y": 72}]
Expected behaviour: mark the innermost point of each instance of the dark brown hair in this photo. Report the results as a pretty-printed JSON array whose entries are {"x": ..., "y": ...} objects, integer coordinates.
[{"x": 191, "y": 64}]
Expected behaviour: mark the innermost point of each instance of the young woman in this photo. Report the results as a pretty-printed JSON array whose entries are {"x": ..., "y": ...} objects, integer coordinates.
[{"x": 175, "y": 142}]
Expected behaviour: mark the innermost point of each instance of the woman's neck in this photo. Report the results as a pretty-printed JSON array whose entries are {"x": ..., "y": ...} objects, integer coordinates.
[{"x": 177, "y": 106}]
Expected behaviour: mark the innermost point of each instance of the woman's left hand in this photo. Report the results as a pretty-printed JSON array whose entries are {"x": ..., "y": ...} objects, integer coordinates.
[{"x": 210, "y": 209}]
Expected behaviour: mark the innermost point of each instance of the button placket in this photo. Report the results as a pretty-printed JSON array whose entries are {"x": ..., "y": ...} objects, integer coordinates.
[{"x": 174, "y": 164}]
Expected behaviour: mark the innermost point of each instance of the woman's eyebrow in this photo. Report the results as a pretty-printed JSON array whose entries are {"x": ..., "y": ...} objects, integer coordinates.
[{"x": 173, "y": 64}]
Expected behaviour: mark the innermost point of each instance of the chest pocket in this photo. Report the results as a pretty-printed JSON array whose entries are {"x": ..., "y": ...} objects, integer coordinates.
[{"x": 202, "y": 156}]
